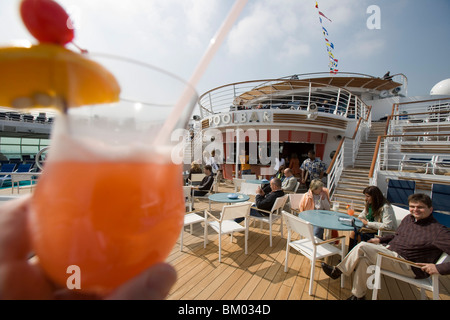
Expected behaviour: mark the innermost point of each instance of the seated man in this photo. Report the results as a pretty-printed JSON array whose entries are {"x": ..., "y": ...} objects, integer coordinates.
[
  {"x": 265, "y": 201},
  {"x": 290, "y": 182},
  {"x": 206, "y": 183},
  {"x": 419, "y": 238}
]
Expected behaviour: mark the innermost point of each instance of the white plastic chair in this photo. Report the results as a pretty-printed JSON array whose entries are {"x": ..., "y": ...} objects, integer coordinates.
[
  {"x": 188, "y": 196},
  {"x": 190, "y": 218},
  {"x": 311, "y": 247},
  {"x": 399, "y": 213},
  {"x": 237, "y": 183},
  {"x": 226, "y": 223},
  {"x": 431, "y": 283},
  {"x": 297, "y": 185},
  {"x": 249, "y": 176},
  {"x": 274, "y": 215},
  {"x": 206, "y": 196},
  {"x": 196, "y": 178},
  {"x": 294, "y": 201}
]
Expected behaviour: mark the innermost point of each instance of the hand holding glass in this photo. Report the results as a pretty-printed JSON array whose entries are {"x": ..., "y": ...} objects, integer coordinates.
[{"x": 110, "y": 199}]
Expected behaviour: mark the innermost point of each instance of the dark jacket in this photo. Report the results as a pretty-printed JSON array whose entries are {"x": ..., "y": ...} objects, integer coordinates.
[
  {"x": 266, "y": 202},
  {"x": 206, "y": 183}
]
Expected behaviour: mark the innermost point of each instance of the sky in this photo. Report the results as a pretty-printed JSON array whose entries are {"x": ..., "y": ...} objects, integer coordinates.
[{"x": 270, "y": 39}]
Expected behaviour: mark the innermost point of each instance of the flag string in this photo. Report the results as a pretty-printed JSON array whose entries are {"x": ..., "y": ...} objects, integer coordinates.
[{"x": 333, "y": 62}]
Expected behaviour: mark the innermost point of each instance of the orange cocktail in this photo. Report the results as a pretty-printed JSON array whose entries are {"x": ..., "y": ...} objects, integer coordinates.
[
  {"x": 111, "y": 219},
  {"x": 110, "y": 202}
]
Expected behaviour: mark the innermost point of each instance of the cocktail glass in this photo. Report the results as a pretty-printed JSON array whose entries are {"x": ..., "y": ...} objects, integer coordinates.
[
  {"x": 110, "y": 199},
  {"x": 335, "y": 206}
]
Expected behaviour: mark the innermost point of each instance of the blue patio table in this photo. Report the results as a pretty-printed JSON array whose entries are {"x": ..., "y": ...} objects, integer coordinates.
[
  {"x": 263, "y": 181},
  {"x": 328, "y": 219},
  {"x": 228, "y": 198}
]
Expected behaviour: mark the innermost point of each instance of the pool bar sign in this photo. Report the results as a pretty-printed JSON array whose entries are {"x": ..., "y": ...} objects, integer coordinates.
[{"x": 243, "y": 117}]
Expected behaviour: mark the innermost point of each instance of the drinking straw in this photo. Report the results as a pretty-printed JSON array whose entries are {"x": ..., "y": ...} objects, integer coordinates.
[{"x": 178, "y": 114}]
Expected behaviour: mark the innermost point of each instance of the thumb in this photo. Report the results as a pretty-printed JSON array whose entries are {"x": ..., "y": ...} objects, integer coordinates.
[{"x": 152, "y": 284}]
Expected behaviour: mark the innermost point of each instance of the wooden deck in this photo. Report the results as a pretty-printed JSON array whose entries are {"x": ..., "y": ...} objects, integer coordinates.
[{"x": 260, "y": 275}]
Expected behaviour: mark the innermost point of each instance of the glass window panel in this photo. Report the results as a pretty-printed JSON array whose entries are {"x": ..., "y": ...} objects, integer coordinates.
[{"x": 30, "y": 141}]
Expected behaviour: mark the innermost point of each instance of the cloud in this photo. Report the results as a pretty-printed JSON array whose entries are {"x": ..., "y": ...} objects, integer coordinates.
[
  {"x": 287, "y": 29},
  {"x": 269, "y": 27}
]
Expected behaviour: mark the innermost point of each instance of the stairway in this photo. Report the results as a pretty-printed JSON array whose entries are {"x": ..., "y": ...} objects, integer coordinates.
[
  {"x": 354, "y": 179},
  {"x": 366, "y": 149}
]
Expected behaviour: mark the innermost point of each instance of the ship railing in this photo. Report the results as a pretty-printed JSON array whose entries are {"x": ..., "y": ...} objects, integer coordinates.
[
  {"x": 284, "y": 94},
  {"x": 416, "y": 123},
  {"x": 336, "y": 167},
  {"x": 419, "y": 126},
  {"x": 411, "y": 154},
  {"x": 418, "y": 106}
]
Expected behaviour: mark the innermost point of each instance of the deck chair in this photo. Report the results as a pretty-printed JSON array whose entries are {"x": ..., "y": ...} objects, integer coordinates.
[
  {"x": 442, "y": 218},
  {"x": 205, "y": 196},
  {"x": 294, "y": 201},
  {"x": 196, "y": 179},
  {"x": 187, "y": 190},
  {"x": 398, "y": 192},
  {"x": 295, "y": 189},
  {"x": 190, "y": 218},
  {"x": 311, "y": 247},
  {"x": 440, "y": 194},
  {"x": 237, "y": 183},
  {"x": 431, "y": 283},
  {"x": 10, "y": 168},
  {"x": 399, "y": 213},
  {"x": 226, "y": 224},
  {"x": 274, "y": 215}
]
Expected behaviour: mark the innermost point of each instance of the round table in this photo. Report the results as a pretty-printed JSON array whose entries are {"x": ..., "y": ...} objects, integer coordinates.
[
  {"x": 328, "y": 219},
  {"x": 263, "y": 181},
  {"x": 223, "y": 197}
]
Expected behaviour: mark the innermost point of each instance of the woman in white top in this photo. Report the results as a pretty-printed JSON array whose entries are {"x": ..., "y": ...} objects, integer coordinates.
[{"x": 378, "y": 214}]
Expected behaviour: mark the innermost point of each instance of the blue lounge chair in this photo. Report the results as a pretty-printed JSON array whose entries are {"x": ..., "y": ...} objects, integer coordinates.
[
  {"x": 440, "y": 194},
  {"x": 23, "y": 167},
  {"x": 442, "y": 218},
  {"x": 398, "y": 192},
  {"x": 6, "y": 168}
]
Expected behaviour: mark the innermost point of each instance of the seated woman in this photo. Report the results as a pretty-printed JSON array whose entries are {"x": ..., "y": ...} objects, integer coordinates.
[
  {"x": 195, "y": 168},
  {"x": 378, "y": 214},
  {"x": 315, "y": 194}
]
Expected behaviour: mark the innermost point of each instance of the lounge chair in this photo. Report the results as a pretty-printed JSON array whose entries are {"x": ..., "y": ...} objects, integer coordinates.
[
  {"x": 23, "y": 167},
  {"x": 6, "y": 168}
]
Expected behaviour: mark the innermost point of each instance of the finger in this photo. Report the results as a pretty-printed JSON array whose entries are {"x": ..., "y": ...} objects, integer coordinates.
[
  {"x": 14, "y": 238},
  {"x": 420, "y": 264},
  {"x": 152, "y": 284}
]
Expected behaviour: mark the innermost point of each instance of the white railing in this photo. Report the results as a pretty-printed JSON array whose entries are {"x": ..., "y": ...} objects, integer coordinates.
[
  {"x": 336, "y": 167},
  {"x": 415, "y": 126},
  {"x": 291, "y": 94},
  {"x": 421, "y": 156}
]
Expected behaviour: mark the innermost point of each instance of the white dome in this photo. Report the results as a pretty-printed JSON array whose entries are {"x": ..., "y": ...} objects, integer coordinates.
[{"x": 441, "y": 88}]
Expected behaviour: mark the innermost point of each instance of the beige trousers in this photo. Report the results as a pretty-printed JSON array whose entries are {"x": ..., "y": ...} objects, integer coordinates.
[{"x": 364, "y": 255}]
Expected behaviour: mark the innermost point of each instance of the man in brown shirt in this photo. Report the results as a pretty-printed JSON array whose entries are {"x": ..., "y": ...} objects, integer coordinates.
[{"x": 419, "y": 238}]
